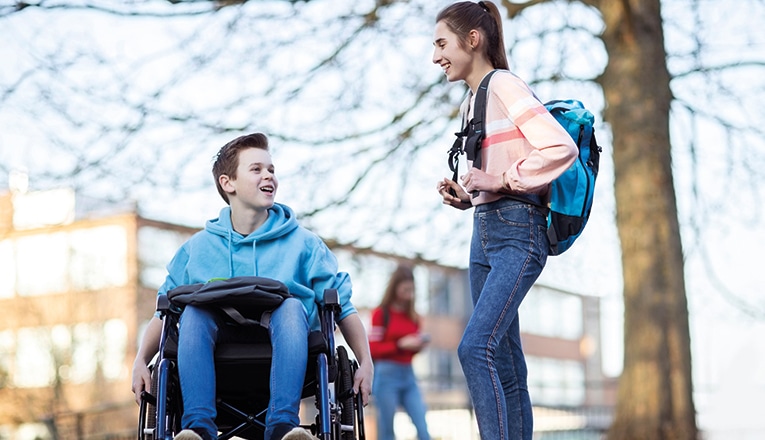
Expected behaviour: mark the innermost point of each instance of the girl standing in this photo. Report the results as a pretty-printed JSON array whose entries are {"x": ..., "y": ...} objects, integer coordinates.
[{"x": 523, "y": 151}]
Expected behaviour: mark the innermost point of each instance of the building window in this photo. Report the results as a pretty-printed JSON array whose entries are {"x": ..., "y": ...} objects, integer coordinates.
[
  {"x": 84, "y": 363},
  {"x": 41, "y": 264},
  {"x": 547, "y": 312},
  {"x": 450, "y": 294},
  {"x": 115, "y": 347},
  {"x": 555, "y": 382},
  {"x": 369, "y": 271},
  {"x": 439, "y": 369},
  {"x": 83, "y": 259},
  {"x": 36, "y": 431},
  {"x": 156, "y": 247},
  {"x": 6, "y": 358},
  {"x": 34, "y": 358},
  {"x": 8, "y": 263},
  {"x": 98, "y": 257},
  {"x": 72, "y": 354}
]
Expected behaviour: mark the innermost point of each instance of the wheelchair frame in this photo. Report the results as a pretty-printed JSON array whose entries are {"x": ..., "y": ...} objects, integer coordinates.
[{"x": 340, "y": 413}]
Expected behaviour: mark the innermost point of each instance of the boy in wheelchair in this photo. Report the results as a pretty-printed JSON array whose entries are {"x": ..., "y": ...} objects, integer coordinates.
[{"x": 253, "y": 236}]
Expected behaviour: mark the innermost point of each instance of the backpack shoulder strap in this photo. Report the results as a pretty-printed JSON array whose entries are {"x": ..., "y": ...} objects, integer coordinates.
[
  {"x": 468, "y": 140},
  {"x": 477, "y": 125}
]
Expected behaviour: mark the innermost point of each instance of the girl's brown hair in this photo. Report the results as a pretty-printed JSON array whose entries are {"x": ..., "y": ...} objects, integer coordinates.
[
  {"x": 401, "y": 274},
  {"x": 463, "y": 17}
]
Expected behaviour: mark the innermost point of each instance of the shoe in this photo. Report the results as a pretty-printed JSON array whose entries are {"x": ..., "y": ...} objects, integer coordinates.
[
  {"x": 298, "y": 433},
  {"x": 187, "y": 434}
]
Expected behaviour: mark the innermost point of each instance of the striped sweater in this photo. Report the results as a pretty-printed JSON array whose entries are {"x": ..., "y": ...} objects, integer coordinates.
[{"x": 523, "y": 140}]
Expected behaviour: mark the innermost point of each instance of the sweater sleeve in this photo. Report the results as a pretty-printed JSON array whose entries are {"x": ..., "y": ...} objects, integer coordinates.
[
  {"x": 322, "y": 273},
  {"x": 380, "y": 346},
  {"x": 533, "y": 146},
  {"x": 176, "y": 273}
]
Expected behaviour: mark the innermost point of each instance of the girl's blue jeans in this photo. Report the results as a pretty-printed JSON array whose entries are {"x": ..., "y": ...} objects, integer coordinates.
[
  {"x": 396, "y": 385},
  {"x": 508, "y": 251},
  {"x": 200, "y": 331}
]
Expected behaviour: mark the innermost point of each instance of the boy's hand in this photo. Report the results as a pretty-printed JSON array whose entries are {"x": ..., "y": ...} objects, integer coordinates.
[
  {"x": 356, "y": 337},
  {"x": 141, "y": 379},
  {"x": 147, "y": 350},
  {"x": 362, "y": 381}
]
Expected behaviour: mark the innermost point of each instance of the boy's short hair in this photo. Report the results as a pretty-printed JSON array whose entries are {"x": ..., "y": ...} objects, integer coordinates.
[{"x": 227, "y": 159}]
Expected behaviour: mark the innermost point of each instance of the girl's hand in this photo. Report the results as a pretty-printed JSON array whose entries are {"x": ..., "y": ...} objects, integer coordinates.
[
  {"x": 414, "y": 342},
  {"x": 461, "y": 199},
  {"x": 478, "y": 180}
]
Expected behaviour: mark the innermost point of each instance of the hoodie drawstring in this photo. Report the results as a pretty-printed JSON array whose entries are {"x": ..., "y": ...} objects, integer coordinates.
[{"x": 230, "y": 255}]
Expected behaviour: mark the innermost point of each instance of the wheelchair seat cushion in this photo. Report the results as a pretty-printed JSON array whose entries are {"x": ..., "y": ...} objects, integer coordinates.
[{"x": 259, "y": 351}]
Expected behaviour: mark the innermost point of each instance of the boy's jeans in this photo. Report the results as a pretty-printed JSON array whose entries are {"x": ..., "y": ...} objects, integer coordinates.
[
  {"x": 201, "y": 330},
  {"x": 507, "y": 253},
  {"x": 396, "y": 385}
]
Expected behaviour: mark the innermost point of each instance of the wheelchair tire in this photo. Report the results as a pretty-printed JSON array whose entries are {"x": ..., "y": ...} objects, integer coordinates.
[
  {"x": 174, "y": 406},
  {"x": 344, "y": 393},
  {"x": 151, "y": 418}
]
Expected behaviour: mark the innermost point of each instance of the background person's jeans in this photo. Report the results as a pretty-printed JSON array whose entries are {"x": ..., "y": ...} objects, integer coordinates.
[
  {"x": 507, "y": 254},
  {"x": 200, "y": 330},
  {"x": 396, "y": 385}
]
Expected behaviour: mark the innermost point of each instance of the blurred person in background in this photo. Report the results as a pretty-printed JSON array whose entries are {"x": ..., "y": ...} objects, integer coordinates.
[{"x": 394, "y": 339}]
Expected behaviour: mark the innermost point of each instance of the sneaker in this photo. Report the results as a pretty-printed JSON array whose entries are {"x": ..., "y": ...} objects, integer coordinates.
[
  {"x": 187, "y": 434},
  {"x": 298, "y": 433}
]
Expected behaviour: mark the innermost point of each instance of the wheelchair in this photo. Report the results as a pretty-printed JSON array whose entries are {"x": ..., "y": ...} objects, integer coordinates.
[{"x": 242, "y": 381}]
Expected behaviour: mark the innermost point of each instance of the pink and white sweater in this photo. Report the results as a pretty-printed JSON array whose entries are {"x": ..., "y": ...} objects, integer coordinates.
[{"x": 523, "y": 140}]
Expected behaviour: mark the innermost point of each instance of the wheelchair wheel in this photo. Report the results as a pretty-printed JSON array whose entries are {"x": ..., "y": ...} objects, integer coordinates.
[
  {"x": 174, "y": 406},
  {"x": 344, "y": 393},
  {"x": 147, "y": 417}
]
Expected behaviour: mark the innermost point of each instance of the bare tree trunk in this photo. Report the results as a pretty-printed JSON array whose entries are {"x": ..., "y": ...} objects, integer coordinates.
[{"x": 655, "y": 399}]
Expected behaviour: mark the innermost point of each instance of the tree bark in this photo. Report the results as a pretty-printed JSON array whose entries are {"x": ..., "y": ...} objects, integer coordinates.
[{"x": 655, "y": 399}]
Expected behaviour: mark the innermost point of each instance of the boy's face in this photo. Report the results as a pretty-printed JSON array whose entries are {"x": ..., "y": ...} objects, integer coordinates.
[{"x": 255, "y": 183}]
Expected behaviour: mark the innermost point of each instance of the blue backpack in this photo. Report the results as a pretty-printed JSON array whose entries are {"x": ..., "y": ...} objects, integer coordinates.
[{"x": 571, "y": 194}]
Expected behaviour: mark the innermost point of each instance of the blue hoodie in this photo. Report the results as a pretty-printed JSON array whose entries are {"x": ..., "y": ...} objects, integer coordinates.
[{"x": 279, "y": 249}]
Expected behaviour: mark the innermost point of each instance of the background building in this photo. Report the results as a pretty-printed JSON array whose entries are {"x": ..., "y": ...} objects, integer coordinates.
[
  {"x": 74, "y": 296},
  {"x": 78, "y": 285}
]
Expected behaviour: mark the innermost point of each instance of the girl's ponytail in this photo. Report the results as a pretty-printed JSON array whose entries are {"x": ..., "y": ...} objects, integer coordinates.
[{"x": 462, "y": 17}]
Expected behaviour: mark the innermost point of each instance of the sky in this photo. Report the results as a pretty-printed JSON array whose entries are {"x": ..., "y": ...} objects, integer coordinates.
[{"x": 722, "y": 227}]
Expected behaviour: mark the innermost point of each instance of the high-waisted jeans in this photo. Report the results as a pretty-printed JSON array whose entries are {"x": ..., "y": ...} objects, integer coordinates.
[
  {"x": 507, "y": 254},
  {"x": 200, "y": 331}
]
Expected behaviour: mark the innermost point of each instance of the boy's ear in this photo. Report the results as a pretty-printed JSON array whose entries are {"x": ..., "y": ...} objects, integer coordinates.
[{"x": 226, "y": 184}]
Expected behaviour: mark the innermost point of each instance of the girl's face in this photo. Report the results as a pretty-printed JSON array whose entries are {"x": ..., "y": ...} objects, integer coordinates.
[
  {"x": 449, "y": 54},
  {"x": 405, "y": 291}
]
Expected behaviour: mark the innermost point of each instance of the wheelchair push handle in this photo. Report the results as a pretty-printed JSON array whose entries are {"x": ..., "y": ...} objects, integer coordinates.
[
  {"x": 332, "y": 300},
  {"x": 329, "y": 312},
  {"x": 163, "y": 303}
]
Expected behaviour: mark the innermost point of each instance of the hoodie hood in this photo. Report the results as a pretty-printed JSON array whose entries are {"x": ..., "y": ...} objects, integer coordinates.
[{"x": 281, "y": 221}]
